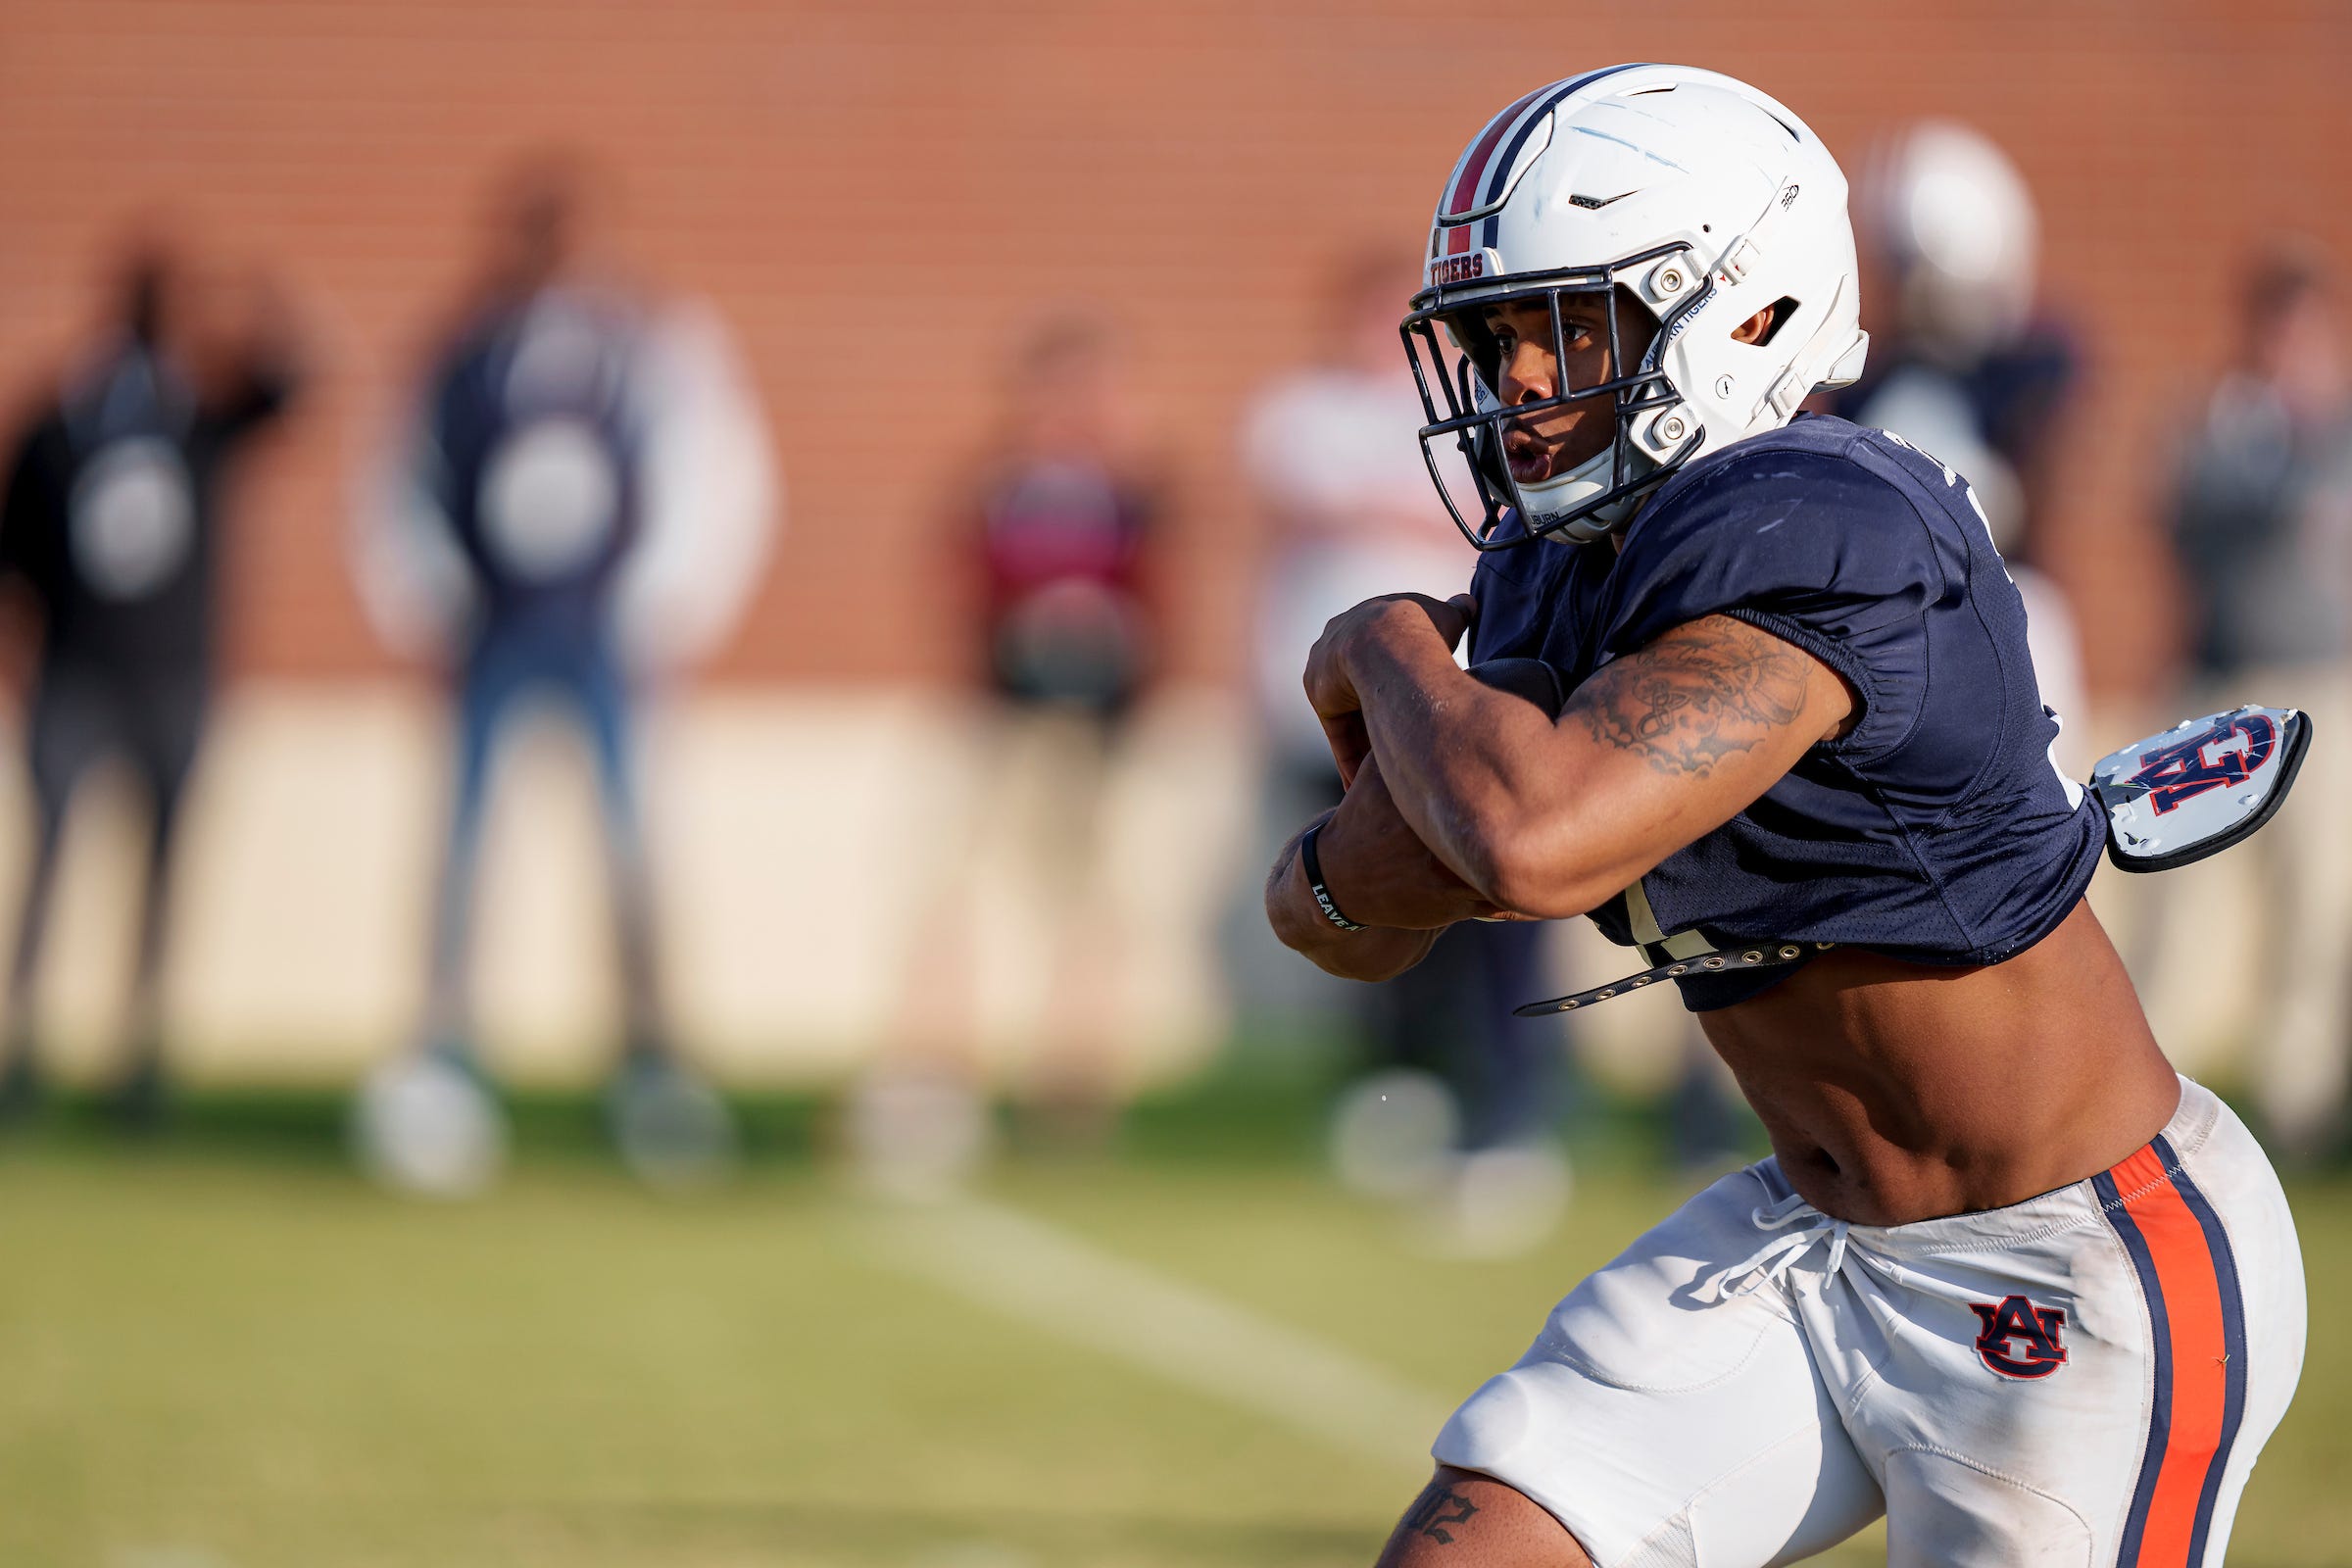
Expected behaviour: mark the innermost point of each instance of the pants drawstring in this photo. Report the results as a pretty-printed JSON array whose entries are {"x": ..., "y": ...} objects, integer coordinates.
[{"x": 1771, "y": 1262}]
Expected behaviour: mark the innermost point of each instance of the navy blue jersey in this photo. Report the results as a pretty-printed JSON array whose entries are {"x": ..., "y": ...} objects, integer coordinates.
[
  {"x": 1938, "y": 829},
  {"x": 2013, "y": 397},
  {"x": 531, "y": 420}
]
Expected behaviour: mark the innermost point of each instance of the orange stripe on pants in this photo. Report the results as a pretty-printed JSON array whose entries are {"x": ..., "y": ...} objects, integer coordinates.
[{"x": 2192, "y": 1302}]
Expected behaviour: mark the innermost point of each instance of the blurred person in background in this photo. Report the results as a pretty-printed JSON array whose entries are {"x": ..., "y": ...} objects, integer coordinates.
[
  {"x": 579, "y": 508},
  {"x": 114, "y": 512},
  {"x": 1964, "y": 368},
  {"x": 2261, "y": 518},
  {"x": 1456, "y": 1104},
  {"x": 1057, "y": 530}
]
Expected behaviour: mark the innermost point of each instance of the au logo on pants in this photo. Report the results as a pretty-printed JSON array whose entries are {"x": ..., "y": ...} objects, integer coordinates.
[{"x": 2021, "y": 1340}]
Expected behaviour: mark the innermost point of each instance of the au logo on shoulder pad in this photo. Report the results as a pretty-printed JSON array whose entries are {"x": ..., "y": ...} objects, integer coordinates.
[
  {"x": 2020, "y": 1340},
  {"x": 2200, "y": 786}
]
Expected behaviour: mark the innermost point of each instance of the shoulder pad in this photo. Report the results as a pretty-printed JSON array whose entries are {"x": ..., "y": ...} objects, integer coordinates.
[{"x": 2198, "y": 787}]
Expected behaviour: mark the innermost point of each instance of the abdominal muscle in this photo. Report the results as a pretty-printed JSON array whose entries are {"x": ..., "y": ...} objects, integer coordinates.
[{"x": 1896, "y": 1092}]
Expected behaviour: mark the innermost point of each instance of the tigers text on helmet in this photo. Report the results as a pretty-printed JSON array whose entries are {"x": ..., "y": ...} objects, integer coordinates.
[{"x": 1682, "y": 193}]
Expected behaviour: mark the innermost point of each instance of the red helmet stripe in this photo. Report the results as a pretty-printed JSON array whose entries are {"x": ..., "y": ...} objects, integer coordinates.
[{"x": 1464, "y": 196}]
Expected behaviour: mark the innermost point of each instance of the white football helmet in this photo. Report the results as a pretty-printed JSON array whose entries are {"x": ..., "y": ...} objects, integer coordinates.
[{"x": 1690, "y": 194}]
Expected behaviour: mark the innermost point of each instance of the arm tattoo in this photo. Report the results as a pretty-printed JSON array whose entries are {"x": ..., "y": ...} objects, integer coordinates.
[
  {"x": 1697, "y": 696},
  {"x": 1438, "y": 1506}
]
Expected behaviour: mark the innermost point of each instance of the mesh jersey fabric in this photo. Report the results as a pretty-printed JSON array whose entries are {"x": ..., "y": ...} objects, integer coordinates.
[{"x": 1938, "y": 829}]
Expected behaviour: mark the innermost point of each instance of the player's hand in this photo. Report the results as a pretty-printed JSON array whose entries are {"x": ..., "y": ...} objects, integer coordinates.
[
  {"x": 1331, "y": 690},
  {"x": 1381, "y": 874}
]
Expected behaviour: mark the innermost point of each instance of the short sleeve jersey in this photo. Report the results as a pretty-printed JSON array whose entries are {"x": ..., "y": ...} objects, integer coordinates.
[{"x": 1936, "y": 829}]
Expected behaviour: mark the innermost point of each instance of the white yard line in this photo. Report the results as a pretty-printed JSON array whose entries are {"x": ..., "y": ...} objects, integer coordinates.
[{"x": 1051, "y": 1280}]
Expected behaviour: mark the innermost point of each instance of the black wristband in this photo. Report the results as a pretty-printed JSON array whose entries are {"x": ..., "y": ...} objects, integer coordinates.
[{"x": 1314, "y": 881}]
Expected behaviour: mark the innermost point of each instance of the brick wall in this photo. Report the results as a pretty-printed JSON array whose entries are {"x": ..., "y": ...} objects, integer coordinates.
[{"x": 878, "y": 193}]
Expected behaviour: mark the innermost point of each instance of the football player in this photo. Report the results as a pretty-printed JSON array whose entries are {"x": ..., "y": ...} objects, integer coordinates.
[{"x": 2007, "y": 1279}]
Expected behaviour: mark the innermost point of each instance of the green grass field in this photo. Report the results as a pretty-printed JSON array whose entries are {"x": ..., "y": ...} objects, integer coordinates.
[{"x": 227, "y": 1352}]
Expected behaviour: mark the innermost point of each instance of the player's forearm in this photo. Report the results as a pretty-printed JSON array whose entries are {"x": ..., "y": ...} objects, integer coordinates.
[
  {"x": 1376, "y": 953},
  {"x": 1475, "y": 772},
  {"x": 1653, "y": 751}
]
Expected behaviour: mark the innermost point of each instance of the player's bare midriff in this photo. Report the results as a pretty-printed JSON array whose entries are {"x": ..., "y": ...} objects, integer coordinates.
[{"x": 1896, "y": 1092}]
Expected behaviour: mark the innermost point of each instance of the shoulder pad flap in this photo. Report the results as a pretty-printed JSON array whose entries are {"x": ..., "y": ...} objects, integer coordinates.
[{"x": 2198, "y": 787}]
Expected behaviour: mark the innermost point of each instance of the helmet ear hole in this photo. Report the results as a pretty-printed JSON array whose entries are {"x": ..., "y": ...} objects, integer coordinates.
[{"x": 1782, "y": 309}]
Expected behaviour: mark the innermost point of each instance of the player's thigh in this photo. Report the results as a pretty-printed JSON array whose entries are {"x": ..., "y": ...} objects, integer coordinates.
[
  {"x": 2172, "y": 1328},
  {"x": 1465, "y": 1520},
  {"x": 1665, "y": 1416},
  {"x": 2234, "y": 1177}
]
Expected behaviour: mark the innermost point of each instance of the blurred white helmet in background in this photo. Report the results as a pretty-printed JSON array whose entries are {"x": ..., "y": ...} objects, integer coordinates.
[
  {"x": 1955, "y": 224},
  {"x": 1688, "y": 193}
]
